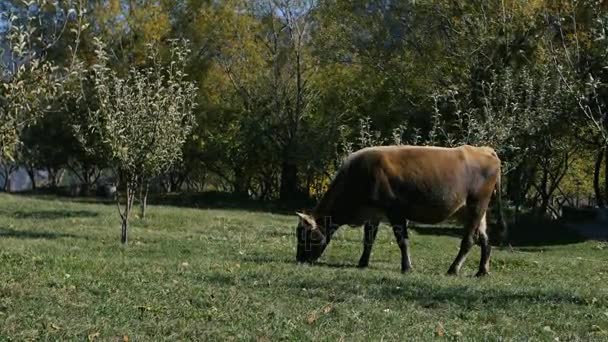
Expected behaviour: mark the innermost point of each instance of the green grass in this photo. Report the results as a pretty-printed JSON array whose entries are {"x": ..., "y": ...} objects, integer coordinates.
[{"x": 214, "y": 274}]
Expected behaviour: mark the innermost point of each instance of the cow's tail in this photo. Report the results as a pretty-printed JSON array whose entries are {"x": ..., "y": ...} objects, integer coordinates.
[{"x": 503, "y": 231}]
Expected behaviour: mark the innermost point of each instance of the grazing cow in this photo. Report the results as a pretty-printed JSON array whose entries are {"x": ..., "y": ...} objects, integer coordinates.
[{"x": 400, "y": 183}]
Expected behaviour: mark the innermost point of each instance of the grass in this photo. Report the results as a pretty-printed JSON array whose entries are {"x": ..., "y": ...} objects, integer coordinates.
[{"x": 213, "y": 274}]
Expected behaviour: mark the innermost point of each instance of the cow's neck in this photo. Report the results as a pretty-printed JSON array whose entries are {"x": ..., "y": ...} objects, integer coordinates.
[
  {"x": 325, "y": 219},
  {"x": 326, "y": 213}
]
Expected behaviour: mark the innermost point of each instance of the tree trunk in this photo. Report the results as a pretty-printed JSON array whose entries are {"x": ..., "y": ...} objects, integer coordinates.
[
  {"x": 31, "y": 172},
  {"x": 596, "y": 178},
  {"x": 144, "y": 199},
  {"x": 289, "y": 181},
  {"x": 605, "y": 172},
  {"x": 240, "y": 182},
  {"x": 7, "y": 183},
  {"x": 543, "y": 192},
  {"x": 55, "y": 177},
  {"x": 7, "y": 171},
  {"x": 130, "y": 196},
  {"x": 123, "y": 233}
]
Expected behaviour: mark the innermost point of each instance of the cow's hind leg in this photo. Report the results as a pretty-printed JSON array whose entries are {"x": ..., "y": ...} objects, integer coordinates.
[
  {"x": 370, "y": 232},
  {"x": 475, "y": 227},
  {"x": 401, "y": 235},
  {"x": 483, "y": 241}
]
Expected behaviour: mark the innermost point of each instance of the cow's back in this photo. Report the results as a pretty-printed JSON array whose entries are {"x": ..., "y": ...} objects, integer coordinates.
[{"x": 424, "y": 184}]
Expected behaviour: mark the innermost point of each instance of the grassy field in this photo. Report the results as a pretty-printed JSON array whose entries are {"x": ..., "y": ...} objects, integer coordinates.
[{"x": 217, "y": 274}]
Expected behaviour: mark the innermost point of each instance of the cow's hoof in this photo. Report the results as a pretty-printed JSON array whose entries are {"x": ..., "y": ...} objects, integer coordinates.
[
  {"x": 406, "y": 270},
  {"x": 452, "y": 272},
  {"x": 482, "y": 273},
  {"x": 363, "y": 263}
]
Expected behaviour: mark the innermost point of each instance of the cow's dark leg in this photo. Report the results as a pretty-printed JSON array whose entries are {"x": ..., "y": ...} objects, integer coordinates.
[
  {"x": 370, "y": 232},
  {"x": 402, "y": 238}
]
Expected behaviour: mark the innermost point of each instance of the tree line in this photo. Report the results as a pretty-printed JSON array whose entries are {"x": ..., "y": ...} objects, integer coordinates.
[{"x": 265, "y": 98}]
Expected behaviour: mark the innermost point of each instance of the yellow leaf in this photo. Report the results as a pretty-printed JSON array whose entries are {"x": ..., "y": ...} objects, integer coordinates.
[
  {"x": 312, "y": 318},
  {"x": 439, "y": 331}
]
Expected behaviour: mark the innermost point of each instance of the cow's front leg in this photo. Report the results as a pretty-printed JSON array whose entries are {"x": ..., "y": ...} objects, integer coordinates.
[
  {"x": 465, "y": 247},
  {"x": 474, "y": 227},
  {"x": 369, "y": 236},
  {"x": 401, "y": 235}
]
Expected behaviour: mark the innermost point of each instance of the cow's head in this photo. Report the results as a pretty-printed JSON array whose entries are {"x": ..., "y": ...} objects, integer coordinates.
[{"x": 311, "y": 239}]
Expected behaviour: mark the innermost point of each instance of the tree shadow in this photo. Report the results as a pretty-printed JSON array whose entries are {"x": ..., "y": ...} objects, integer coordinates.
[
  {"x": 54, "y": 196},
  {"x": 196, "y": 200},
  {"x": 526, "y": 233},
  {"x": 229, "y": 201},
  {"x": 28, "y": 234},
  {"x": 48, "y": 214}
]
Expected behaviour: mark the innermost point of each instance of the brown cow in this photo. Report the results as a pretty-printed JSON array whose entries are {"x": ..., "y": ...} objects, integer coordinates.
[{"x": 400, "y": 183}]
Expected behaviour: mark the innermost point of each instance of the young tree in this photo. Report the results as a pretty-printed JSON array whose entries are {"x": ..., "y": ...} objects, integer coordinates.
[{"x": 142, "y": 119}]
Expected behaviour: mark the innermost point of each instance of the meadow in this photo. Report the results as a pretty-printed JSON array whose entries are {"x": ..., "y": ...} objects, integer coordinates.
[{"x": 211, "y": 274}]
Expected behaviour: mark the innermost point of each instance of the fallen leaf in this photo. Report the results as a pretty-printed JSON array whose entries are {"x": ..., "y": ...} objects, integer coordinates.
[
  {"x": 597, "y": 328},
  {"x": 439, "y": 331},
  {"x": 311, "y": 318},
  {"x": 55, "y": 326},
  {"x": 185, "y": 264},
  {"x": 125, "y": 338},
  {"x": 327, "y": 309},
  {"x": 547, "y": 328},
  {"x": 93, "y": 336}
]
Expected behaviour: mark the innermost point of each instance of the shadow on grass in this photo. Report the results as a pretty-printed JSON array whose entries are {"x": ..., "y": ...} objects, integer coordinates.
[
  {"x": 428, "y": 294},
  {"x": 439, "y": 231},
  {"x": 268, "y": 259},
  {"x": 27, "y": 234},
  {"x": 48, "y": 214}
]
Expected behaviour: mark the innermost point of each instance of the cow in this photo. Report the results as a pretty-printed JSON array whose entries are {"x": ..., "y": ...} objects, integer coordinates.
[{"x": 425, "y": 184}]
